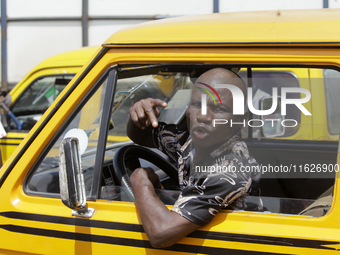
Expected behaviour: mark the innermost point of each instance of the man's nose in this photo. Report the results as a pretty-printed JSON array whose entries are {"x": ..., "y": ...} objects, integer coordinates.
[{"x": 204, "y": 118}]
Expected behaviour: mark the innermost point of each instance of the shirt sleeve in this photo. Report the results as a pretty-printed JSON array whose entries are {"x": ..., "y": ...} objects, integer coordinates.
[
  {"x": 199, "y": 203},
  {"x": 168, "y": 139}
]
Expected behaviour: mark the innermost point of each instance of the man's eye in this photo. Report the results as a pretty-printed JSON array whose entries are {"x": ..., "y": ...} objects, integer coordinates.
[{"x": 198, "y": 104}]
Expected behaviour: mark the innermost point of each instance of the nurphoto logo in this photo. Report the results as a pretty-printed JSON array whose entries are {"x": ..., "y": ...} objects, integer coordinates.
[{"x": 238, "y": 103}]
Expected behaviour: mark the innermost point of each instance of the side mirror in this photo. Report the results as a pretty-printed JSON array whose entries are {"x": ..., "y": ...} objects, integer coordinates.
[
  {"x": 71, "y": 179},
  {"x": 272, "y": 123}
]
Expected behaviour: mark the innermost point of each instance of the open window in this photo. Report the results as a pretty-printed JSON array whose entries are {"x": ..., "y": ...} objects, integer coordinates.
[{"x": 298, "y": 163}]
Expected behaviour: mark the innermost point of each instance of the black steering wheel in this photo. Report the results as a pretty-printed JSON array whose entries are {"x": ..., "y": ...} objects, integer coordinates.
[{"x": 126, "y": 160}]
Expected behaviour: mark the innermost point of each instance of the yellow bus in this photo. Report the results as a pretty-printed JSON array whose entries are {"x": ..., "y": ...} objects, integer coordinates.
[
  {"x": 31, "y": 97},
  {"x": 297, "y": 144}
]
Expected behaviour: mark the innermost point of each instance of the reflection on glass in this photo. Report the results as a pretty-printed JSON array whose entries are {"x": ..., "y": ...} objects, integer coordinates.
[
  {"x": 272, "y": 123},
  {"x": 46, "y": 177},
  {"x": 31, "y": 105}
]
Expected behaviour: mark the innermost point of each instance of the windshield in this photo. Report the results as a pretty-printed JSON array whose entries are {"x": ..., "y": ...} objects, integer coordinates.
[{"x": 37, "y": 97}]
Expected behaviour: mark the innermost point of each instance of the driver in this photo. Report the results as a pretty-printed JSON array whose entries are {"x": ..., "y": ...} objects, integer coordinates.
[{"x": 196, "y": 148}]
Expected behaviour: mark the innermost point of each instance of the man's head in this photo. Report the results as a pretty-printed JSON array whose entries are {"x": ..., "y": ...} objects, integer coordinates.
[{"x": 201, "y": 128}]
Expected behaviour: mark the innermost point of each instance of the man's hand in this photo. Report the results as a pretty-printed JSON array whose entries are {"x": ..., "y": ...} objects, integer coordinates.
[
  {"x": 145, "y": 175},
  {"x": 144, "y": 112}
]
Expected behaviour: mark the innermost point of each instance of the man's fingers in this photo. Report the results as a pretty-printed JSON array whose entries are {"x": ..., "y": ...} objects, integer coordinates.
[
  {"x": 157, "y": 112},
  {"x": 152, "y": 117},
  {"x": 134, "y": 118},
  {"x": 144, "y": 112},
  {"x": 153, "y": 177},
  {"x": 140, "y": 110},
  {"x": 158, "y": 102},
  {"x": 153, "y": 113}
]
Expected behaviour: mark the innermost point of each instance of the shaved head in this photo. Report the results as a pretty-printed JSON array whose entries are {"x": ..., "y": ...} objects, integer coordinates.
[{"x": 224, "y": 76}]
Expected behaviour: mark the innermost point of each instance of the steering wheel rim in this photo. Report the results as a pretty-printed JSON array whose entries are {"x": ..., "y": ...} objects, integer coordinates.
[{"x": 132, "y": 153}]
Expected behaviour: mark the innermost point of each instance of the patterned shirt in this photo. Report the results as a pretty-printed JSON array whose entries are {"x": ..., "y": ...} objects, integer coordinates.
[{"x": 210, "y": 184}]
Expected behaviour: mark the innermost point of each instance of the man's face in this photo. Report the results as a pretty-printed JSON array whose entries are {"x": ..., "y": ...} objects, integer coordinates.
[{"x": 203, "y": 133}]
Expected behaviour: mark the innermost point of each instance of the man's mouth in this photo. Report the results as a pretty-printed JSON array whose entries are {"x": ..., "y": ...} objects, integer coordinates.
[{"x": 200, "y": 132}]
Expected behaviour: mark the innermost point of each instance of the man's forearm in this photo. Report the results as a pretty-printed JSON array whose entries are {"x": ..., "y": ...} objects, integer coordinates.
[
  {"x": 163, "y": 227},
  {"x": 152, "y": 211}
]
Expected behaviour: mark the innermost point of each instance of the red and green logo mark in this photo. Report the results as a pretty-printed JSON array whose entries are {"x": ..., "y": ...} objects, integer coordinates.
[{"x": 208, "y": 92}]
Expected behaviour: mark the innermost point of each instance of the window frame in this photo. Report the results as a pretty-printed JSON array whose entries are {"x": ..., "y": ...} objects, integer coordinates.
[
  {"x": 72, "y": 115},
  {"x": 95, "y": 189},
  {"x": 327, "y": 105}
]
